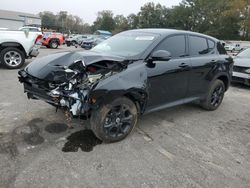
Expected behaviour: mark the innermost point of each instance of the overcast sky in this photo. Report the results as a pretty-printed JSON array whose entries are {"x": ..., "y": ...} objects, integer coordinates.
[{"x": 86, "y": 9}]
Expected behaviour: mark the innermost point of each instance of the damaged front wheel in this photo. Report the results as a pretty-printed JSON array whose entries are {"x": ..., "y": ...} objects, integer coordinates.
[{"x": 113, "y": 122}]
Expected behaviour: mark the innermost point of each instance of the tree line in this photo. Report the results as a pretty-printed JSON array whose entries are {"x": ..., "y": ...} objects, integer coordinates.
[{"x": 223, "y": 19}]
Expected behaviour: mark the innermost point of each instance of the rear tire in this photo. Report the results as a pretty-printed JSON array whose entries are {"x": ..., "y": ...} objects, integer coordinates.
[
  {"x": 113, "y": 122},
  {"x": 214, "y": 96},
  {"x": 53, "y": 44},
  {"x": 12, "y": 58}
]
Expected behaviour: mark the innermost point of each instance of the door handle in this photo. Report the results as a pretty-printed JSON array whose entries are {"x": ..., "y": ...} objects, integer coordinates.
[{"x": 183, "y": 65}]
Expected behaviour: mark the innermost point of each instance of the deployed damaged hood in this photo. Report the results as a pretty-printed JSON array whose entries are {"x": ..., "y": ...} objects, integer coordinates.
[
  {"x": 242, "y": 61},
  {"x": 44, "y": 67}
]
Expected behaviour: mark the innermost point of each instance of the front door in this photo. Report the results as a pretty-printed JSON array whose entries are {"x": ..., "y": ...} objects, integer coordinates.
[{"x": 168, "y": 80}]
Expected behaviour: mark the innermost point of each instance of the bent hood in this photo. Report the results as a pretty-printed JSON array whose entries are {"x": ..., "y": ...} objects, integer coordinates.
[
  {"x": 242, "y": 62},
  {"x": 43, "y": 67}
]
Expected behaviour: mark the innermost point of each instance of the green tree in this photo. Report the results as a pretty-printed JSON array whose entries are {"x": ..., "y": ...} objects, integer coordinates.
[
  {"x": 210, "y": 17},
  {"x": 64, "y": 22},
  {"x": 48, "y": 19},
  {"x": 61, "y": 19},
  {"x": 104, "y": 21},
  {"x": 242, "y": 9},
  {"x": 121, "y": 23},
  {"x": 152, "y": 15},
  {"x": 224, "y": 19},
  {"x": 133, "y": 21},
  {"x": 179, "y": 17}
]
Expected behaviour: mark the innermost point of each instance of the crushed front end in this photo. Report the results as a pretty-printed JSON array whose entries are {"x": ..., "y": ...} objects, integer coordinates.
[{"x": 69, "y": 87}]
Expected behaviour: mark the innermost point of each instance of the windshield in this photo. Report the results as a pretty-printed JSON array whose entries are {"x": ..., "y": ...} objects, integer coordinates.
[
  {"x": 127, "y": 44},
  {"x": 245, "y": 53}
]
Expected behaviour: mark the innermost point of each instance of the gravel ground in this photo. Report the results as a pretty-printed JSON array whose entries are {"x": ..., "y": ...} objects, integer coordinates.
[{"x": 183, "y": 146}]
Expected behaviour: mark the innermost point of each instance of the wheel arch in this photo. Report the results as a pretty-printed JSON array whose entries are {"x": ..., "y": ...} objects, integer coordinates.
[
  {"x": 225, "y": 79},
  {"x": 139, "y": 98},
  {"x": 13, "y": 44},
  {"x": 130, "y": 83}
]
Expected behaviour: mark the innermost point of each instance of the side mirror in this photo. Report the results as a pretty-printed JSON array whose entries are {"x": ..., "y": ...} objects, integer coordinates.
[{"x": 161, "y": 55}]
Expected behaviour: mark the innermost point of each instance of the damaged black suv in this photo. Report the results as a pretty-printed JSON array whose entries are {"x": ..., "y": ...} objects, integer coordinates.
[{"x": 132, "y": 73}]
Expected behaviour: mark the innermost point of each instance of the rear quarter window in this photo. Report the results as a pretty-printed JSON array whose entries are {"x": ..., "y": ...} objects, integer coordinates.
[
  {"x": 211, "y": 44},
  {"x": 198, "y": 46}
]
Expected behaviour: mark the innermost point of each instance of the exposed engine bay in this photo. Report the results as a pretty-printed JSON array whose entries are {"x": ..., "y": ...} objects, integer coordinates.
[{"x": 69, "y": 87}]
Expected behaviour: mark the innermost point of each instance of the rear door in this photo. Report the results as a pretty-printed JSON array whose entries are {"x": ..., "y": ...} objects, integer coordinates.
[
  {"x": 168, "y": 80},
  {"x": 203, "y": 57}
]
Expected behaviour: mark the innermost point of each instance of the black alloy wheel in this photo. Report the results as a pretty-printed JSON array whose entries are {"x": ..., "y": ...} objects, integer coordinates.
[
  {"x": 118, "y": 121},
  {"x": 214, "y": 96},
  {"x": 114, "y": 121},
  {"x": 217, "y": 96}
]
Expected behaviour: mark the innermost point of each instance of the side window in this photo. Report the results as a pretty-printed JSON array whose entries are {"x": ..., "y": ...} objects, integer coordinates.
[
  {"x": 176, "y": 45},
  {"x": 211, "y": 45},
  {"x": 198, "y": 46}
]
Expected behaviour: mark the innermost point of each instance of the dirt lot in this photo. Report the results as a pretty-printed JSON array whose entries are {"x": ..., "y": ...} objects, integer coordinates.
[{"x": 183, "y": 146}]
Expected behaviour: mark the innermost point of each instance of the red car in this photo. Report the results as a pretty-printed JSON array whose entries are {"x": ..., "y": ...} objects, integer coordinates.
[{"x": 53, "y": 40}]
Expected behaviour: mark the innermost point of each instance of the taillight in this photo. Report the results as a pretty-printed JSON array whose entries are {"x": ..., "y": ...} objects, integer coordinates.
[{"x": 38, "y": 38}]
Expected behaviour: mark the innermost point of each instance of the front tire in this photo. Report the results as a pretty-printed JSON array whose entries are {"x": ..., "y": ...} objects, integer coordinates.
[
  {"x": 214, "y": 96},
  {"x": 73, "y": 43},
  {"x": 12, "y": 58},
  {"x": 113, "y": 122}
]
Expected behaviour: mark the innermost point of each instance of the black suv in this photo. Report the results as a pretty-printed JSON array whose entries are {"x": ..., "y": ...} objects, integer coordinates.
[{"x": 132, "y": 73}]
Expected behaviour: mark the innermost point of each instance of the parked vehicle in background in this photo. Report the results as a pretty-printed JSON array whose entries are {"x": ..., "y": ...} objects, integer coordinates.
[
  {"x": 88, "y": 42},
  {"x": 132, "y": 73},
  {"x": 29, "y": 28},
  {"x": 85, "y": 41},
  {"x": 229, "y": 47},
  {"x": 16, "y": 46},
  {"x": 103, "y": 33},
  {"x": 72, "y": 40},
  {"x": 92, "y": 41},
  {"x": 232, "y": 47},
  {"x": 98, "y": 40},
  {"x": 237, "y": 47},
  {"x": 84, "y": 38},
  {"x": 53, "y": 40},
  {"x": 241, "y": 70}
]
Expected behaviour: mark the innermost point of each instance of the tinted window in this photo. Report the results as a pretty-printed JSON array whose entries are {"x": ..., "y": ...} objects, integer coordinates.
[
  {"x": 175, "y": 45},
  {"x": 198, "y": 46},
  {"x": 211, "y": 44}
]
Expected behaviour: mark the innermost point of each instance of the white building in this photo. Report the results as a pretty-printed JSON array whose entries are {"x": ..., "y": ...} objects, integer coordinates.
[{"x": 14, "y": 20}]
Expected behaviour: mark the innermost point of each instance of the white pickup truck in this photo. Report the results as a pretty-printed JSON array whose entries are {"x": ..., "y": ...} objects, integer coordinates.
[{"x": 16, "y": 46}]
